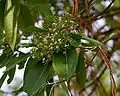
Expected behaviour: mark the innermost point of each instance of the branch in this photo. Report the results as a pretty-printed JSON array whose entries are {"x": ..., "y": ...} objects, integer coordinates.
[{"x": 103, "y": 11}]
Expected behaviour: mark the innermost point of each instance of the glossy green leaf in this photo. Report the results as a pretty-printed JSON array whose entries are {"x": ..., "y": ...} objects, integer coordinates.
[
  {"x": 2, "y": 79},
  {"x": 25, "y": 17},
  {"x": 10, "y": 23},
  {"x": 35, "y": 78},
  {"x": 75, "y": 39},
  {"x": 11, "y": 74},
  {"x": 65, "y": 64},
  {"x": 1, "y": 36},
  {"x": 2, "y": 58},
  {"x": 38, "y": 1},
  {"x": 43, "y": 9},
  {"x": 81, "y": 71},
  {"x": 95, "y": 42},
  {"x": 2, "y": 7},
  {"x": 28, "y": 31},
  {"x": 30, "y": 64},
  {"x": 11, "y": 61}
]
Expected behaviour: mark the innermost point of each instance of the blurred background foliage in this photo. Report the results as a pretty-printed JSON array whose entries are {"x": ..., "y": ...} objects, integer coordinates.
[{"x": 22, "y": 22}]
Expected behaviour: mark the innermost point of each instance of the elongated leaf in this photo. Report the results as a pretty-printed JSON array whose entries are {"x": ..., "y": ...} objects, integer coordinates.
[
  {"x": 35, "y": 78},
  {"x": 25, "y": 17},
  {"x": 2, "y": 58},
  {"x": 95, "y": 42},
  {"x": 11, "y": 74},
  {"x": 43, "y": 9},
  {"x": 2, "y": 79},
  {"x": 65, "y": 64},
  {"x": 81, "y": 71},
  {"x": 30, "y": 64},
  {"x": 31, "y": 29},
  {"x": 1, "y": 36},
  {"x": 75, "y": 39},
  {"x": 2, "y": 7},
  {"x": 10, "y": 23},
  {"x": 38, "y": 1},
  {"x": 11, "y": 61}
]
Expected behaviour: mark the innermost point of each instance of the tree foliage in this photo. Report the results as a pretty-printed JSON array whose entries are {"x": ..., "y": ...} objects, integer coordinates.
[{"x": 70, "y": 39}]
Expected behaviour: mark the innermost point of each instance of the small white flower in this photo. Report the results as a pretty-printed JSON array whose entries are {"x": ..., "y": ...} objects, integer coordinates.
[
  {"x": 51, "y": 44},
  {"x": 45, "y": 46},
  {"x": 54, "y": 29},
  {"x": 52, "y": 39},
  {"x": 56, "y": 33},
  {"x": 57, "y": 47},
  {"x": 60, "y": 19},
  {"x": 41, "y": 54},
  {"x": 45, "y": 40},
  {"x": 63, "y": 25},
  {"x": 54, "y": 24},
  {"x": 40, "y": 37},
  {"x": 66, "y": 45},
  {"x": 40, "y": 44},
  {"x": 43, "y": 59},
  {"x": 55, "y": 42},
  {"x": 51, "y": 48},
  {"x": 71, "y": 22},
  {"x": 59, "y": 40}
]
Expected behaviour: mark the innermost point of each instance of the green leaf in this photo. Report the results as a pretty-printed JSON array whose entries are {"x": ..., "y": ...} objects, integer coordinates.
[
  {"x": 38, "y": 1},
  {"x": 11, "y": 74},
  {"x": 1, "y": 36},
  {"x": 10, "y": 23},
  {"x": 28, "y": 31},
  {"x": 2, "y": 79},
  {"x": 11, "y": 61},
  {"x": 81, "y": 71},
  {"x": 25, "y": 17},
  {"x": 75, "y": 39},
  {"x": 35, "y": 78},
  {"x": 2, "y": 58},
  {"x": 95, "y": 42},
  {"x": 65, "y": 64},
  {"x": 43, "y": 9},
  {"x": 2, "y": 7}
]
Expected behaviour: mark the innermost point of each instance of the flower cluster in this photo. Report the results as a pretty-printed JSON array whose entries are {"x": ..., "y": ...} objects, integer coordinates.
[{"x": 47, "y": 43}]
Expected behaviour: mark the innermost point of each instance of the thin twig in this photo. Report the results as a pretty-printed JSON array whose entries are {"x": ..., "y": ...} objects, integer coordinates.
[{"x": 103, "y": 11}]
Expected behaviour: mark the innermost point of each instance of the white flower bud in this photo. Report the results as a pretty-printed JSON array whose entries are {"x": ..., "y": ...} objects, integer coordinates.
[
  {"x": 40, "y": 44},
  {"x": 59, "y": 40},
  {"x": 51, "y": 44},
  {"x": 57, "y": 47},
  {"x": 65, "y": 20},
  {"x": 71, "y": 22},
  {"x": 56, "y": 33},
  {"x": 44, "y": 40},
  {"x": 54, "y": 29},
  {"x": 51, "y": 48},
  {"x": 55, "y": 42},
  {"x": 41, "y": 54},
  {"x": 52, "y": 39}
]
